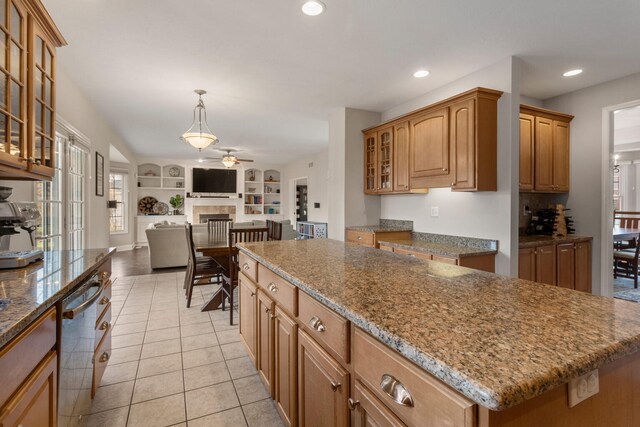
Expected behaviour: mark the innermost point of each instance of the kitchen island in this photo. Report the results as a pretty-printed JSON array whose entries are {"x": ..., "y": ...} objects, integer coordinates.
[{"x": 499, "y": 350}]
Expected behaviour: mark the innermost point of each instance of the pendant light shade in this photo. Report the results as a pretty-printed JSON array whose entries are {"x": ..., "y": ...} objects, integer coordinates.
[{"x": 199, "y": 135}]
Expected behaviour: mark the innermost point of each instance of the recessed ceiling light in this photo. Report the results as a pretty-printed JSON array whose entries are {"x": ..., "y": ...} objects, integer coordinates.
[
  {"x": 313, "y": 7},
  {"x": 421, "y": 73},
  {"x": 572, "y": 73},
  {"x": 200, "y": 160}
]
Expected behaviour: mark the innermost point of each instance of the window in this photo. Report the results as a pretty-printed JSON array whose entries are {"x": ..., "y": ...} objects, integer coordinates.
[
  {"x": 76, "y": 159},
  {"x": 118, "y": 193},
  {"x": 49, "y": 201}
]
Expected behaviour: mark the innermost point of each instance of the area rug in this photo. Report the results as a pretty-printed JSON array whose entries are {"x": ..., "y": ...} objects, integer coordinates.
[{"x": 623, "y": 289}]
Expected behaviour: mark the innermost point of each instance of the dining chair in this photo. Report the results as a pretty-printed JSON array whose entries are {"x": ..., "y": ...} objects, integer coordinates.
[
  {"x": 625, "y": 264},
  {"x": 274, "y": 230},
  {"x": 199, "y": 268},
  {"x": 219, "y": 226},
  {"x": 230, "y": 274}
]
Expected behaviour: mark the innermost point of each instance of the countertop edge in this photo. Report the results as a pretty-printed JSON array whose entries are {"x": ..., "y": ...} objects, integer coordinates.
[
  {"x": 21, "y": 324},
  {"x": 505, "y": 398},
  {"x": 377, "y": 229},
  {"x": 438, "y": 251},
  {"x": 548, "y": 240}
]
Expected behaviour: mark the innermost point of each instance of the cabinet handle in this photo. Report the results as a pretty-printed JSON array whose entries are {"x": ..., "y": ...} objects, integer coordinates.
[
  {"x": 38, "y": 162},
  {"x": 413, "y": 255},
  {"x": 245, "y": 266},
  {"x": 104, "y": 357},
  {"x": 104, "y": 325},
  {"x": 335, "y": 385},
  {"x": 105, "y": 275},
  {"x": 316, "y": 324},
  {"x": 273, "y": 316},
  {"x": 272, "y": 288},
  {"x": 267, "y": 309},
  {"x": 444, "y": 169},
  {"x": 359, "y": 238},
  {"x": 103, "y": 301},
  {"x": 253, "y": 294},
  {"x": 352, "y": 403},
  {"x": 395, "y": 390}
]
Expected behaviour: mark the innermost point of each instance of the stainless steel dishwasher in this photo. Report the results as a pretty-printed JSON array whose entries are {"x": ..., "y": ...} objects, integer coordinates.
[{"x": 77, "y": 348}]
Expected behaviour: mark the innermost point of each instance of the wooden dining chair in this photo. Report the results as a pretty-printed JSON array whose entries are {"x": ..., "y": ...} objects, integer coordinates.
[
  {"x": 219, "y": 226},
  {"x": 625, "y": 264},
  {"x": 198, "y": 268},
  {"x": 230, "y": 274},
  {"x": 274, "y": 230}
]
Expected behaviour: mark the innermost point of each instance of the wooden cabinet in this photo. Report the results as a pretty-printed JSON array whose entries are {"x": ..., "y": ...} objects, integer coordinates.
[
  {"x": 429, "y": 144},
  {"x": 27, "y": 75},
  {"x": 452, "y": 143},
  {"x": 544, "y": 150},
  {"x": 478, "y": 262},
  {"x": 368, "y": 411},
  {"x": 248, "y": 307},
  {"x": 264, "y": 336},
  {"x": 323, "y": 386},
  {"x": 401, "y": 157},
  {"x": 285, "y": 378},
  {"x": 567, "y": 265},
  {"x": 370, "y": 238}
]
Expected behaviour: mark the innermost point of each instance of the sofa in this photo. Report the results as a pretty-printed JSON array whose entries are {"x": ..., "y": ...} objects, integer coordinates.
[{"x": 168, "y": 242}]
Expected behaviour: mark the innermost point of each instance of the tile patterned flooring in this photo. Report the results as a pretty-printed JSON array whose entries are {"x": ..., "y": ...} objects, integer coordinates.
[{"x": 176, "y": 366}]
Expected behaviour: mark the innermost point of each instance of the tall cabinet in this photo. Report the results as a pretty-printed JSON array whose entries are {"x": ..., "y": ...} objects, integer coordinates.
[{"x": 28, "y": 73}]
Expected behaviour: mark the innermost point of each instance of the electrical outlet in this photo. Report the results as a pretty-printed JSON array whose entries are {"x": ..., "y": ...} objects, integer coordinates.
[
  {"x": 583, "y": 387},
  {"x": 434, "y": 212}
]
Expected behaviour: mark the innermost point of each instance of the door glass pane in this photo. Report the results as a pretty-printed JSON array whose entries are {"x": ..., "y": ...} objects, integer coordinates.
[
  {"x": 38, "y": 111},
  {"x": 16, "y": 97},
  {"x": 47, "y": 122},
  {"x": 54, "y": 214},
  {"x": 47, "y": 92},
  {"x": 3, "y": 131},
  {"x": 16, "y": 135},
  {"x": 3, "y": 47},
  {"x": 16, "y": 60},
  {"x": 38, "y": 148},
  {"x": 39, "y": 51},
  {"x": 16, "y": 23},
  {"x": 47, "y": 151},
  {"x": 3, "y": 14},
  {"x": 3, "y": 90},
  {"x": 48, "y": 62},
  {"x": 37, "y": 83}
]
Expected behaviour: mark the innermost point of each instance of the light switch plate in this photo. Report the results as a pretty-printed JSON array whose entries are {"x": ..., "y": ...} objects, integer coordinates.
[
  {"x": 583, "y": 387},
  {"x": 434, "y": 211}
]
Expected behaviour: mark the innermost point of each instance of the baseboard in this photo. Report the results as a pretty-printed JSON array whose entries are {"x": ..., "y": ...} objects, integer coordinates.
[{"x": 125, "y": 247}]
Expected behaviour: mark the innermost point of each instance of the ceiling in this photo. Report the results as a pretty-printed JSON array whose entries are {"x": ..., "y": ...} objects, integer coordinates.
[{"x": 273, "y": 74}]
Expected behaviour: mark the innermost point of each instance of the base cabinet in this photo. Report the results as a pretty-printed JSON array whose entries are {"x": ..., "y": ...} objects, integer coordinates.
[
  {"x": 368, "y": 411},
  {"x": 323, "y": 386},
  {"x": 546, "y": 264},
  {"x": 285, "y": 378},
  {"x": 265, "y": 353},
  {"x": 248, "y": 304}
]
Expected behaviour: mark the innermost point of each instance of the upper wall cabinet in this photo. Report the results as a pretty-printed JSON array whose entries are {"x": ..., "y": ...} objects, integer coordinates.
[
  {"x": 27, "y": 90},
  {"x": 449, "y": 144},
  {"x": 544, "y": 150}
]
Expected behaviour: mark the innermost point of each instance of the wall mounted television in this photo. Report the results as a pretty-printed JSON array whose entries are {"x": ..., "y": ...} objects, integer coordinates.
[{"x": 214, "y": 181}]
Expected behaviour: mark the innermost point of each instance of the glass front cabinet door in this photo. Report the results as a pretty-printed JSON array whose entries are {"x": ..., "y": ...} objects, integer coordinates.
[
  {"x": 385, "y": 161},
  {"x": 370, "y": 163}
]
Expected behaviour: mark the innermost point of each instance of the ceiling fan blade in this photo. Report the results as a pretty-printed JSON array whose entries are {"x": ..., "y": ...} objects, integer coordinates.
[{"x": 245, "y": 160}]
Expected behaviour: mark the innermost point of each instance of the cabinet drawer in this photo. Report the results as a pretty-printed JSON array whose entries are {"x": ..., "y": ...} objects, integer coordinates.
[
  {"x": 361, "y": 237},
  {"x": 386, "y": 248},
  {"x": 21, "y": 355},
  {"x": 445, "y": 259},
  {"x": 370, "y": 410},
  {"x": 325, "y": 326},
  {"x": 283, "y": 292},
  {"x": 248, "y": 266},
  {"x": 421, "y": 255},
  {"x": 101, "y": 360},
  {"x": 103, "y": 301},
  {"x": 433, "y": 403},
  {"x": 103, "y": 325}
]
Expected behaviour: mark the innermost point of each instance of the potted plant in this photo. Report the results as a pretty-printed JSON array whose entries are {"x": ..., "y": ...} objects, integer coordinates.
[{"x": 176, "y": 203}]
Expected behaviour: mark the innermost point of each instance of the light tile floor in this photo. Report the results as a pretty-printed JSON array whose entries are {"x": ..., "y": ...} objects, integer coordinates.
[{"x": 172, "y": 365}]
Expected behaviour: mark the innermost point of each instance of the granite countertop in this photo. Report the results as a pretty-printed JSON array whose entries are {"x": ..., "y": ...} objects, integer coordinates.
[
  {"x": 378, "y": 228},
  {"x": 450, "y": 250},
  {"x": 497, "y": 340},
  {"x": 30, "y": 291},
  {"x": 533, "y": 241}
]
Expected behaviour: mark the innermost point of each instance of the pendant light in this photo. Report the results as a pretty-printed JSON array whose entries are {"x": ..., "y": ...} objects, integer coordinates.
[
  {"x": 199, "y": 135},
  {"x": 229, "y": 161}
]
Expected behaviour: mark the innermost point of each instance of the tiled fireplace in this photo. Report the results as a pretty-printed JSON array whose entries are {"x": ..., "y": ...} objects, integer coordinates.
[{"x": 208, "y": 211}]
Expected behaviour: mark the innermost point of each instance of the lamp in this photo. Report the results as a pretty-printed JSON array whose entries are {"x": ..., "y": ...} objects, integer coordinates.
[
  {"x": 199, "y": 135},
  {"x": 229, "y": 161}
]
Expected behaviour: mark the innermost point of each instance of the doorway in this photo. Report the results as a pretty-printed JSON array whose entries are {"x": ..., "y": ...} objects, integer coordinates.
[{"x": 299, "y": 200}]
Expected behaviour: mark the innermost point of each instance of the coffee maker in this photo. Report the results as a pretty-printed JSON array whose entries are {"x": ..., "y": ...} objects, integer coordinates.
[{"x": 16, "y": 216}]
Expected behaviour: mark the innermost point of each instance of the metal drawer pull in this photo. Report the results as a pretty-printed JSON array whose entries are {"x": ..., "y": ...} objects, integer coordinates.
[
  {"x": 316, "y": 324},
  {"x": 103, "y": 301},
  {"x": 395, "y": 390},
  {"x": 245, "y": 266},
  {"x": 359, "y": 237},
  {"x": 335, "y": 385},
  {"x": 104, "y": 357},
  {"x": 272, "y": 287},
  {"x": 105, "y": 275},
  {"x": 352, "y": 403},
  {"x": 104, "y": 325}
]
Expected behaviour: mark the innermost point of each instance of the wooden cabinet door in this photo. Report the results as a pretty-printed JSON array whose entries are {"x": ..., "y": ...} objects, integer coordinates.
[
  {"x": 546, "y": 264},
  {"x": 36, "y": 402},
  {"x": 369, "y": 411},
  {"x": 527, "y": 264},
  {"x": 527, "y": 125},
  {"x": 429, "y": 144},
  {"x": 384, "y": 161},
  {"x": 543, "y": 177},
  {"x": 265, "y": 350},
  {"x": 561, "y": 156},
  {"x": 401, "y": 157},
  {"x": 463, "y": 141},
  {"x": 370, "y": 162},
  {"x": 565, "y": 265},
  {"x": 285, "y": 384},
  {"x": 323, "y": 387},
  {"x": 248, "y": 324},
  {"x": 583, "y": 267}
]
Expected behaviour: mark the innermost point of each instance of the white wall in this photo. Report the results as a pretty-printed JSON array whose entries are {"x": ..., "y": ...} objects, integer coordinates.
[
  {"x": 587, "y": 193},
  {"x": 316, "y": 186},
  {"x": 531, "y": 101},
  {"x": 491, "y": 215}
]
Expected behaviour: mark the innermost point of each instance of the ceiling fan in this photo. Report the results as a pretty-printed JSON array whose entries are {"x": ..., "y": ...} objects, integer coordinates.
[{"x": 229, "y": 159}]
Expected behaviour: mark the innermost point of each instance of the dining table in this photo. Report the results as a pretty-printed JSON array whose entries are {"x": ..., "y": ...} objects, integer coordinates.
[{"x": 623, "y": 233}]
